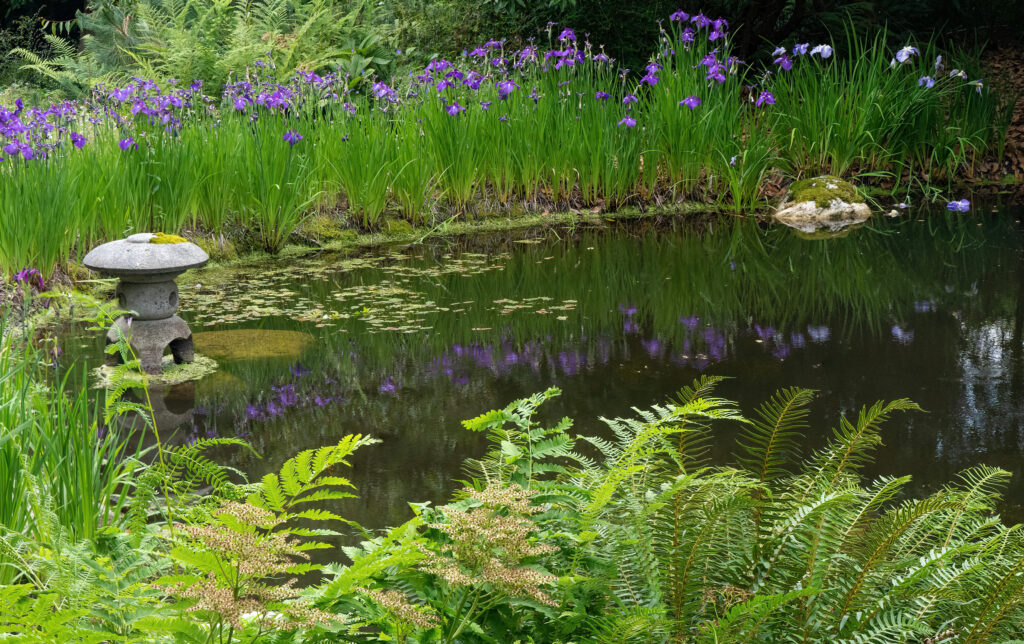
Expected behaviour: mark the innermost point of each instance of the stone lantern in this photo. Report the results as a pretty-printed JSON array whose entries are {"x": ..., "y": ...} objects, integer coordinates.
[{"x": 146, "y": 265}]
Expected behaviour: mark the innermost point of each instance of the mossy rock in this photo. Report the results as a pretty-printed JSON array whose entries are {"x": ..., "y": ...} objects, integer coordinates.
[
  {"x": 165, "y": 238},
  {"x": 252, "y": 344},
  {"x": 397, "y": 227},
  {"x": 324, "y": 228},
  {"x": 824, "y": 190},
  {"x": 826, "y": 233},
  {"x": 173, "y": 374}
]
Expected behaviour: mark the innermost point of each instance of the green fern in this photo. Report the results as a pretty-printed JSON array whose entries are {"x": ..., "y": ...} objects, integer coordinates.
[{"x": 305, "y": 478}]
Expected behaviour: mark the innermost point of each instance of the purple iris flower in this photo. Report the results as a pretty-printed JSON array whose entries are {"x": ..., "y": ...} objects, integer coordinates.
[
  {"x": 649, "y": 79},
  {"x": 779, "y": 51},
  {"x": 454, "y": 109},
  {"x": 240, "y": 103},
  {"x": 628, "y": 121},
  {"x": 28, "y": 276},
  {"x": 801, "y": 49},
  {"x": 824, "y": 50},
  {"x": 505, "y": 88},
  {"x": 700, "y": 20},
  {"x": 602, "y": 96},
  {"x": 959, "y": 206},
  {"x": 927, "y": 81},
  {"x": 567, "y": 34},
  {"x": 78, "y": 140},
  {"x": 629, "y": 98},
  {"x": 784, "y": 62},
  {"x": 601, "y": 58},
  {"x": 126, "y": 143},
  {"x": 715, "y": 73},
  {"x": 679, "y": 16},
  {"x": 485, "y": 105},
  {"x": 292, "y": 137},
  {"x": 765, "y": 98},
  {"x": 691, "y": 102},
  {"x": 687, "y": 35},
  {"x": 382, "y": 91},
  {"x": 388, "y": 386},
  {"x": 438, "y": 65},
  {"x": 905, "y": 54}
]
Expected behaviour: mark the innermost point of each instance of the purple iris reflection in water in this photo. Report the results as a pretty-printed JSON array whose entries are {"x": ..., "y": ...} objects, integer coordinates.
[
  {"x": 569, "y": 363},
  {"x": 901, "y": 335},
  {"x": 653, "y": 347},
  {"x": 715, "y": 341},
  {"x": 764, "y": 334},
  {"x": 286, "y": 395},
  {"x": 819, "y": 334}
]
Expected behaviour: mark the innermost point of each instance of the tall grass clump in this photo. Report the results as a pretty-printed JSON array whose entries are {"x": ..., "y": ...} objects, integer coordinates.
[
  {"x": 66, "y": 475},
  {"x": 561, "y": 126}
]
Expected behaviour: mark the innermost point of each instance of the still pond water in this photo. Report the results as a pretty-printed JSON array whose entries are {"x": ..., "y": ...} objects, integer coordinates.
[{"x": 405, "y": 343}]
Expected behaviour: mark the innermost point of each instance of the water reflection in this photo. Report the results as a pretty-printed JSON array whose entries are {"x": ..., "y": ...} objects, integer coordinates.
[{"x": 405, "y": 345}]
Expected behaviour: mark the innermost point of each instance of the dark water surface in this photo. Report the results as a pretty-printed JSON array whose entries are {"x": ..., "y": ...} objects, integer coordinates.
[{"x": 406, "y": 343}]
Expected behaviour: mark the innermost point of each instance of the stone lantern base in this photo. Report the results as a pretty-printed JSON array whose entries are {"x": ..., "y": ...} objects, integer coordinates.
[{"x": 149, "y": 339}]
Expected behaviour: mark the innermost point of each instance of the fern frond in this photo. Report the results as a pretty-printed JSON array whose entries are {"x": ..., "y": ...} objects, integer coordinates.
[{"x": 771, "y": 440}]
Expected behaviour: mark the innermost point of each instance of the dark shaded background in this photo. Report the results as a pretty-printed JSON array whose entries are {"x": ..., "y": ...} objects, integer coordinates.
[{"x": 627, "y": 28}]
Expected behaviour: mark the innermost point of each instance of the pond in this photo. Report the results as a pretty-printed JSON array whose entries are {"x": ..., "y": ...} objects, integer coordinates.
[{"x": 405, "y": 343}]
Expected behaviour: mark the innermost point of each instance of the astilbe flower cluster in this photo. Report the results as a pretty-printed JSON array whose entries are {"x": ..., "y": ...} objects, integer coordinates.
[
  {"x": 488, "y": 543},
  {"x": 248, "y": 585}
]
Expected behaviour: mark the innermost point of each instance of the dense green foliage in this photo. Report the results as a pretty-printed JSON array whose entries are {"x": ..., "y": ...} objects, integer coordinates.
[
  {"x": 544, "y": 137},
  {"x": 634, "y": 537}
]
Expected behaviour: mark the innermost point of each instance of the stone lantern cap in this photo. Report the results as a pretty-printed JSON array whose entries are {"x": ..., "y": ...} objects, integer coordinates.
[{"x": 146, "y": 254}]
